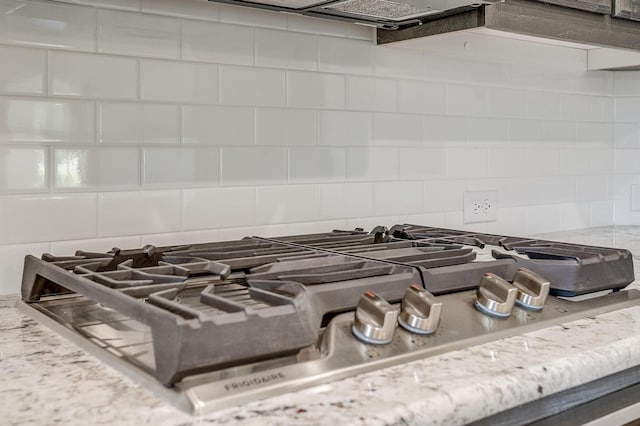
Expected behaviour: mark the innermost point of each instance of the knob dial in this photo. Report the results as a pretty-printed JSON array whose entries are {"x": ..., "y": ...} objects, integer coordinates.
[
  {"x": 532, "y": 289},
  {"x": 419, "y": 312},
  {"x": 495, "y": 297},
  {"x": 375, "y": 319}
]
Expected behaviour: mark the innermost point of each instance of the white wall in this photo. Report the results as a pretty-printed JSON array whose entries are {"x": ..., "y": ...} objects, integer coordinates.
[
  {"x": 627, "y": 145},
  {"x": 182, "y": 120}
]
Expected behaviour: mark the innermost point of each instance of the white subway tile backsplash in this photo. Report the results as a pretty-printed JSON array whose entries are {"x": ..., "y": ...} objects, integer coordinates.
[
  {"x": 602, "y": 213},
  {"x": 251, "y": 86},
  {"x": 217, "y": 207},
  {"x": 525, "y": 131},
  {"x": 188, "y": 82},
  {"x": 13, "y": 261},
  {"x": 307, "y": 24},
  {"x": 137, "y": 34},
  {"x": 467, "y": 163},
  {"x": 262, "y": 231},
  {"x": 421, "y": 97},
  {"x": 626, "y": 84},
  {"x": 600, "y": 133},
  {"x": 180, "y": 238},
  {"x": 337, "y": 201},
  {"x": 217, "y": 125},
  {"x": 308, "y": 165},
  {"x": 539, "y": 219},
  {"x": 25, "y": 72},
  {"x": 96, "y": 168},
  {"x": 575, "y": 215},
  {"x": 68, "y": 248},
  {"x": 68, "y": 216},
  {"x": 136, "y": 123},
  {"x": 627, "y": 109},
  {"x": 315, "y": 90},
  {"x": 185, "y": 8},
  {"x": 507, "y": 102},
  {"x": 251, "y": 166},
  {"x": 184, "y": 166},
  {"x": 601, "y": 108},
  {"x": 559, "y": 131},
  {"x": 601, "y": 161},
  {"x": 406, "y": 196},
  {"x": 283, "y": 204},
  {"x": 247, "y": 16},
  {"x": 556, "y": 189},
  {"x": 372, "y": 94},
  {"x": 575, "y": 107},
  {"x": 626, "y": 135},
  {"x": 574, "y": 161},
  {"x": 138, "y": 212},
  {"x": 279, "y": 127},
  {"x": 48, "y": 25},
  {"x": 391, "y": 61},
  {"x": 42, "y": 120},
  {"x": 216, "y": 42},
  {"x": 487, "y": 130},
  {"x": 346, "y": 56},
  {"x": 422, "y": 163},
  {"x": 111, "y": 4},
  {"x": 315, "y": 227},
  {"x": 591, "y": 188},
  {"x": 372, "y": 164},
  {"x": 442, "y": 129},
  {"x": 467, "y": 100},
  {"x": 444, "y": 195},
  {"x": 397, "y": 129},
  {"x": 282, "y": 49},
  {"x": 91, "y": 75},
  {"x": 345, "y": 128},
  {"x": 627, "y": 161},
  {"x": 24, "y": 169},
  {"x": 544, "y": 105}
]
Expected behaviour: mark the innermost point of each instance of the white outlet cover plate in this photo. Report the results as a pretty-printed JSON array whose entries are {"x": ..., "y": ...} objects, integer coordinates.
[
  {"x": 635, "y": 197},
  {"x": 480, "y": 206}
]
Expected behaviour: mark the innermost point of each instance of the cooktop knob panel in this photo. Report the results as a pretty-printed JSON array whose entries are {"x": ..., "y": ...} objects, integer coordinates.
[
  {"x": 532, "y": 289},
  {"x": 419, "y": 312},
  {"x": 375, "y": 319},
  {"x": 495, "y": 296}
]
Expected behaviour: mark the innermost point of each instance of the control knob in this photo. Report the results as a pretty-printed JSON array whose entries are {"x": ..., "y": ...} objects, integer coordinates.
[
  {"x": 532, "y": 289},
  {"x": 495, "y": 297},
  {"x": 419, "y": 312},
  {"x": 375, "y": 319}
]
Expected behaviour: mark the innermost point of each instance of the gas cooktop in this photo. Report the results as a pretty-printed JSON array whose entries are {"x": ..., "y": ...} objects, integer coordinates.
[{"x": 214, "y": 324}]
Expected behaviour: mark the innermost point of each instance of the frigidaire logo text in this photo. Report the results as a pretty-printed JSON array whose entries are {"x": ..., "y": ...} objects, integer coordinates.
[{"x": 254, "y": 381}]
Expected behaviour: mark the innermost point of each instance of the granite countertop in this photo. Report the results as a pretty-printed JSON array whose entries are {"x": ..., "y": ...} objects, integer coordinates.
[{"x": 45, "y": 379}]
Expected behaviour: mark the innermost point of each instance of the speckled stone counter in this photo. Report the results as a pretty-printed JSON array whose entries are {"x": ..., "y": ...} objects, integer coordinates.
[{"x": 45, "y": 379}]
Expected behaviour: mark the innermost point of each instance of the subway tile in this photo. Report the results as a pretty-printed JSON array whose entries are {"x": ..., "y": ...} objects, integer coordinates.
[
  {"x": 442, "y": 129},
  {"x": 286, "y": 127},
  {"x": 627, "y": 109},
  {"x": 404, "y": 197},
  {"x": 110, "y": 4},
  {"x": 539, "y": 219},
  {"x": 203, "y": 209},
  {"x": 217, "y": 125},
  {"x": 92, "y": 75},
  {"x": 181, "y": 238},
  {"x": 315, "y": 227},
  {"x": 422, "y": 163},
  {"x": 138, "y": 212},
  {"x": 138, "y": 34},
  {"x": 22, "y": 219},
  {"x": 575, "y": 107},
  {"x": 345, "y": 56},
  {"x": 315, "y": 90},
  {"x": 99, "y": 245},
  {"x": 602, "y": 213},
  {"x": 544, "y": 105},
  {"x": 24, "y": 73},
  {"x": 184, "y": 166},
  {"x": 626, "y": 135},
  {"x": 467, "y": 163},
  {"x": 591, "y": 188},
  {"x": 253, "y": 17},
  {"x": 185, "y": 8},
  {"x": 390, "y": 61},
  {"x": 178, "y": 81},
  {"x": 440, "y": 66},
  {"x": 227, "y": 234},
  {"x": 372, "y": 164},
  {"x": 626, "y": 83},
  {"x": 601, "y": 133},
  {"x": 282, "y": 49},
  {"x": 138, "y": 123},
  {"x": 443, "y": 195},
  {"x": 397, "y": 129},
  {"x": 39, "y": 120},
  {"x": 574, "y": 215},
  {"x": 48, "y": 25},
  {"x": 345, "y": 128},
  {"x": 573, "y": 161},
  {"x": 307, "y": 165},
  {"x": 487, "y": 73},
  {"x": 256, "y": 165},
  {"x": 369, "y": 222},
  {"x": 507, "y": 102},
  {"x": 421, "y": 97},
  {"x": 12, "y": 263},
  {"x": 559, "y": 131},
  {"x": 372, "y": 94},
  {"x": 215, "y": 42},
  {"x": 487, "y": 130},
  {"x": 627, "y": 161},
  {"x": 344, "y": 200},
  {"x": 522, "y": 191},
  {"x": 556, "y": 189},
  {"x": 305, "y": 24},
  {"x": 594, "y": 82},
  {"x": 96, "y": 168},
  {"x": 467, "y": 100},
  {"x": 24, "y": 169},
  {"x": 287, "y": 203},
  {"x": 601, "y": 108},
  {"x": 251, "y": 86},
  {"x": 525, "y": 131}
]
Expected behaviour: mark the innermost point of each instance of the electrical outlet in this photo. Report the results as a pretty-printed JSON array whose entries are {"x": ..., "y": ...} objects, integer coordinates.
[{"x": 480, "y": 206}]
